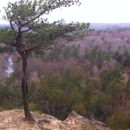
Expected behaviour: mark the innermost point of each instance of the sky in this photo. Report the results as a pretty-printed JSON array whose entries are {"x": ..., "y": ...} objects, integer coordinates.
[{"x": 93, "y": 11}]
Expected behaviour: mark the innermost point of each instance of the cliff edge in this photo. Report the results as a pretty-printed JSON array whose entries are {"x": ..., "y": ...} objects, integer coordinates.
[{"x": 13, "y": 120}]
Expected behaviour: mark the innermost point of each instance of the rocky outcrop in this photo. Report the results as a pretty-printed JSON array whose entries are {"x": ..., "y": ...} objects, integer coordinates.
[
  {"x": 13, "y": 120},
  {"x": 82, "y": 123}
]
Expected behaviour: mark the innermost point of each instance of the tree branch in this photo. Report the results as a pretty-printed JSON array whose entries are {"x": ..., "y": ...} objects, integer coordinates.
[
  {"x": 41, "y": 13},
  {"x": 12, "y": 29}
]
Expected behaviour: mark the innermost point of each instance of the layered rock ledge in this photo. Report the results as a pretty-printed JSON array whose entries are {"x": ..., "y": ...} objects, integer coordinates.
[{"x": 13, "y": 120}]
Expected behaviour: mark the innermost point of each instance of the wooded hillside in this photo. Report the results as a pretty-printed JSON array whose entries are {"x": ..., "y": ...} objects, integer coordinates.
[{"x": 90, "y": 76}]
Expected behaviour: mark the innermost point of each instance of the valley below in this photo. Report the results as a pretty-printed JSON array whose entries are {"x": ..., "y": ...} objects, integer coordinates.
[{"x": 90, "y": 76}]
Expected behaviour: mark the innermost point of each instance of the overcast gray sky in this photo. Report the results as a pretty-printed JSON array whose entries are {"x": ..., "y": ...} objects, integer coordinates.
[{"x": 93, "y": 11}]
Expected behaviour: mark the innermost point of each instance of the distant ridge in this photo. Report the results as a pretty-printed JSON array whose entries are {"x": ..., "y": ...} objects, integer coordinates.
[
  {"x": 4, "y": 25},
  {"x": 97, "y": 26},
  {"x": 103, "y": 26}
]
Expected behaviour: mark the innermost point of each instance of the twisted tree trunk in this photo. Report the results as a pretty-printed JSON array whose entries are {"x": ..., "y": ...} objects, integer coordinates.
[{"x": 24, "y": 86}]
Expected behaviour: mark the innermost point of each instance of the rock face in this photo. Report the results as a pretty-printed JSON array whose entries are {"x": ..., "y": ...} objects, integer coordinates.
[{"x": 13, "y": 120}]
